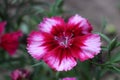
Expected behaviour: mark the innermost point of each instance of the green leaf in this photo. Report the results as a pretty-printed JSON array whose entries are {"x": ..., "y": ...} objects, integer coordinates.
[
  {"x": 104, "y": 48},
  {"x": 83, "y": 69},
  {"x": 104, "y": 37},
  {"x": 41, "y": 3},
  {"x": 117, "y": 69},
  {"x": 56, "y": 8},
  {"x": 114, "y": 68},
  {"x": 115, "y": 58},
  {"x": 7, "y": 77},
  {"x": 118, "y": 44},
  {"x": 59, "y": 3},
  {"x": 112, "y": 44},
  {"x": 37, "y": 64},
  {"x": 38, "y": 10},
  {"x": 104, "y": 24}
]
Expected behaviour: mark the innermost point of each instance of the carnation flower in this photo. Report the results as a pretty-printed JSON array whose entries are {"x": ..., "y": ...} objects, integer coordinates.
[
  {"x": 20, "y": 74},
  {"x": 9, "y": 41},
  {"x": 69, "y": 78},
  {"x": 60, "y": 43}
]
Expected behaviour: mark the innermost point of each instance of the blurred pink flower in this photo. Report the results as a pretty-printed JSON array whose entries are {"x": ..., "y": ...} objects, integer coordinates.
[
  {"x": 60, "y": 44},
  {"x": 69, "y": 78},
  {"x": 9, "y": 41},
  {"x": 20, "y": 74}
]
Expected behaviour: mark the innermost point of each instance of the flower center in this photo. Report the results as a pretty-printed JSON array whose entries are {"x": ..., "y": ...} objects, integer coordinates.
[{"x": 64, "y": 40}]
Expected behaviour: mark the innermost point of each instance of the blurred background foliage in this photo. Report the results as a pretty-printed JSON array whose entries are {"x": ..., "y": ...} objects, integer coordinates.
[{"x": 25, "y": 15}]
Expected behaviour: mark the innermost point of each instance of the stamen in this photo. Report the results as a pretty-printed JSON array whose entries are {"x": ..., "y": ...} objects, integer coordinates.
[{"x": 64, "y": 40}]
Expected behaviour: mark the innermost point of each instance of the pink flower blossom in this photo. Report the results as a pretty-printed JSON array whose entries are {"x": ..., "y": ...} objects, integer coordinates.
[
  {"x": 20, "y": 74},
  {"x": 69, "y": 78},
  {"x": 60, "y": 44},
  {"x": 9, "y": 41}
]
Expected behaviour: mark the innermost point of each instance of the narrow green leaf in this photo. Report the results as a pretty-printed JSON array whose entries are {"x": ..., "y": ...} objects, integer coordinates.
[
  {"x": 115, "y": 57},
  {"x": 56, "y": 8},
  {"x": 118, "y": 44},
  {"x": 57, "y": 74},
  {"x": 112, "y": 44},
  {"x": 115, "y": 68},
  {"x": 104, "y": 37},
  {"x": 104, "y": 48},
  {"x": 104, "y": 23},
  {"x": 38, "y": 9},
  {"x": 59, "y": 3},
  {"x": 37, "y": 64}
]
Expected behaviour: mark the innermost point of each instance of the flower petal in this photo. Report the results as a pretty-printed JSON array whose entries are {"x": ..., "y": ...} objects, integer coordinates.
[
  {"x": 91, "y": 46},
  {"x": 49, "y": 23},
  {"x": 15, "y": 75},
  {"x": 60, "y": 60},
  {"x": 34, "y": 47},
  {"x": 10, "y": 42},
  {"x": 20, "y": 74},
  {"x": 2, "y": 26},
  {"x": 69, "y": 78},
  {"x": 83, "y": 24}
]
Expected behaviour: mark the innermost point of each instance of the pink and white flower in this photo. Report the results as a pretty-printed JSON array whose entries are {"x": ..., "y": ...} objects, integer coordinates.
[
  {"x": 60, "y": 44},
  {"x": 69, "y": 78}
]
